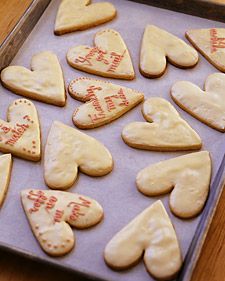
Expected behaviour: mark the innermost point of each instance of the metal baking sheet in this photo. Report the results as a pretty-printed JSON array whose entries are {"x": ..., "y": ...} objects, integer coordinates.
[{"x": 116, "y": 192}]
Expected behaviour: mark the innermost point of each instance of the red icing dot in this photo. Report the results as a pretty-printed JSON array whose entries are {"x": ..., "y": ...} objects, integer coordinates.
[{"x": 33, "y": 142}]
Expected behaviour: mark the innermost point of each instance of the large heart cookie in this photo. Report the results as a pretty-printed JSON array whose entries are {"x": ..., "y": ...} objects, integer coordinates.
[
  {"x": 44, "y": 82},
  {"x": 188, "y": 177},
  {"x": 5, "y": 174},
  {"x": 157, "y": 45},
  {"x": 105, "y": 101},
  {"x": 109, "y": 57},
  {"x": 164, "y": 131},
  {"x": 66, "y": 150},
  {"x": 210, "y": 43},
  {"x": 80, "y": 14},
  {"x": 21, "y": 134},
  {"x": 151, "y": 233},
  {"x": 209, "y": 105},
  {"x": 50, "y": 214}
]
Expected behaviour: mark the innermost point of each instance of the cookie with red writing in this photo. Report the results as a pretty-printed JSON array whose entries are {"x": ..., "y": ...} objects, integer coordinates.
[
  {"x": 109, "y": 57},
  {"x": 158, "y": 47},
  {"x": 21, "y": 134},
  {"x": 67, "y": 19},
  {"x": 44, "y": 82},
  {"x": 5, "y": 174},
  {"x": 51, "y": 213},
  {"x": 210, "y": 43},
  {"x": 66, "y": 150},
  {"x": 105, "y": 101}
]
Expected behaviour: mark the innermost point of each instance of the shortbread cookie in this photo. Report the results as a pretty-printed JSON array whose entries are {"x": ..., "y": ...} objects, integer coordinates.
[
  {"x": 208, "y": 106},
  {"x": 151, "y": 233},
  {"x": 109, "y": 57},
  {"x": 186, "y": 177},
  {"x": 51, "y": 213},
  {"x": 21, "y": 134},
  {"x": 43, "y": 83},
  {"x": 211, "y": 44},
  {"x": 164, "y": 130},
  {"x": 5, "y": 174},
  {"x": 67, "y": 149},
  {"x": 105, "y": 101},
  {"x": 81, "y": 14},
  {"x": 159, "y": 45}
]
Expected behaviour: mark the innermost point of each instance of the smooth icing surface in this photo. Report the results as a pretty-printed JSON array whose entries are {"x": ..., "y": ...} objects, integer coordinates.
[
  {"x": 5, "y": 174},
  {"x": 157, "y": 45},
  {"x": 164, "y": 131},
  {"x": 66, "y": 150},
  {"x": 109, "y": 57},
  {"x": 80, "y": 14},
  {"x": 21, "y": 134},
  {"x": 188, "y": 177},
  {"x": 50, "y": 214},
  {"x": 104, "y": 101},
  {"x": 150, "y": 232},
  {"x": 209, "y": 105},
  {"x": 44, "y": 82}
]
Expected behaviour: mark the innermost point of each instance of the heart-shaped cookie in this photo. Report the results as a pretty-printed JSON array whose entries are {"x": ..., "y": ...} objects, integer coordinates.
[
  {"x": 164, "y": 131},
  {"x": 188, "y": 177},
  {"x": 66, "y": 150},
  {"x": 208, "y": 106},
  {"x": 21, "y": 134},
  {"x": 159, "y": 45},
  {"x": 211, "y": 44},
  {"x": 151, "y": 233},
  {"x": 105, "y": 101},
  {"x": 50, "y": 214},
  {"x": 5, "y": 174},
  {"x": 44, "y": 82},
  {"x": 109, "y": 57},
  {"x": 80, "y": 14}
]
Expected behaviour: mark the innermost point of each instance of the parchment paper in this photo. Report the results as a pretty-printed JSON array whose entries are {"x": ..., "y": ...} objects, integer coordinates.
[{"x": 116, "y": 192}]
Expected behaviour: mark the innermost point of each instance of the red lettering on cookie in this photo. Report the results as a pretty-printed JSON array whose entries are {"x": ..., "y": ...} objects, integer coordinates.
[
  {"x": 109, "y": 103},
  {"x": 51, "y": 203},
  {"x": 76, "y": 210},
  {"x": 17, "y": 131},
  {"x": 216, "y": 42},
  {"x": 96, "y": 117},
  {"x": 58, "y": 215},
  {"x": 86, "y": 60},
  {"x": 39, "y": 199},
  {"x": 117, "y": 58},
  {"x": 123, "y": 98}
]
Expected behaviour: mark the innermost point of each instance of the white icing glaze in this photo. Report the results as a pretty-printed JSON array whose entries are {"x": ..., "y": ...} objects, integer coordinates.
[
  {"x": 51, "y": 212},
  {"x": 164, "y": 131},
  {"x": 110, "y": 56},
  {"x": 66, "y": 150},
  {"x": 5, "y": 174},
  {"x": 44, "y": 83},
  {"x": 209, "y": 105},
  {"x": 150, "y": 232},
  {"x": 105, "y": 101}
]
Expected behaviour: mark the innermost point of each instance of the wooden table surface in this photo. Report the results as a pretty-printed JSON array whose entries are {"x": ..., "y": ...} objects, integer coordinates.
[{"x": 211, "y": 265}]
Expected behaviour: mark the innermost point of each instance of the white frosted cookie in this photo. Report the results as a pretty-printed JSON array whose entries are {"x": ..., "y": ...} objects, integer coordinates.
[
  {"x": 211, "y": 44},
  {"x": 151, "y": 233},
  {"x": 81, "y": 14},
  {"x": 44, "y": 82},
  {"x": 51, "y": 213},
  {"x": 186, "y": 177},
  {"x": 66, "y": 150},
  {"x": 164, "y": 130},
  {"x": 5, "y": 174},
  {"x": 21, "y": 134},
  {"x": 159, "y": 45},
  {"x": 109, "y": 57},
  {"x": 208, "y": 106},
  {"x": 105, "y": 101}
]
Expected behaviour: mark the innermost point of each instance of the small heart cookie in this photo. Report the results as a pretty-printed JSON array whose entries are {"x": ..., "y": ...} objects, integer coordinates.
[
  {"x": 80, "y": 14},
  {"x": 5, "y": 174},
  {"x": 44, "y": 82},
  {"x": 21, "y": 134},
  {"x": 105, "y": 102},
  {"x": 157, "y": 45},
  {"x": 164, "y": 131},
  {"x": 50, "y": 214},
  {"x": 109, "y": 57},
  {"x": 188, "y": 177},
  {"x": 67, "y": 149},
  {"x": 151, "y": 233},
  {"x": 211, "y": 44}
]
